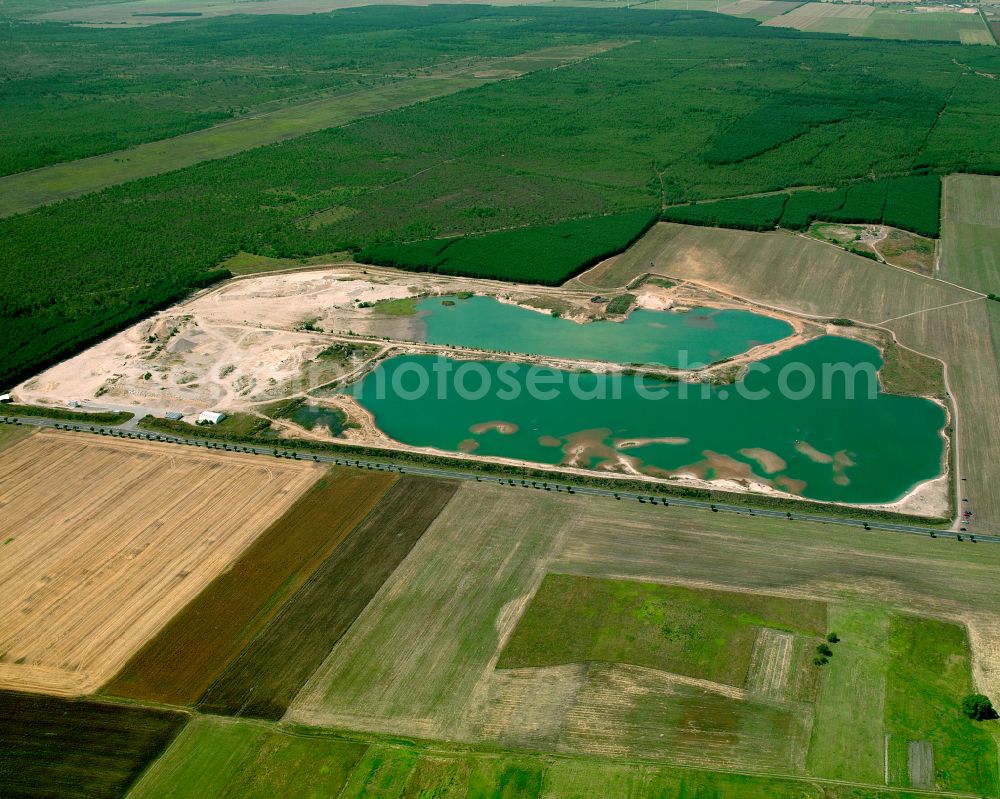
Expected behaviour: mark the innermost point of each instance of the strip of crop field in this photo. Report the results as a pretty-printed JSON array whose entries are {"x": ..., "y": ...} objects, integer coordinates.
[
  {"x": 58, "y": 748},
  {"x": 180, "y": 663},
  {"x": 265, "y": 678},
  {"x": 459, "y": 592},
  {"x": 215, "y": 758},
  {"x": 970, "y": 246},
  {"x": 26, "y": 190}
]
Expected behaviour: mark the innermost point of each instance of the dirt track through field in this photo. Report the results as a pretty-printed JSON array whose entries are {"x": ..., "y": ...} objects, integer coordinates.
[
  {"x": 179, "y": 664},
  {"x": 268, "y": 674},
  {"x": 105, "y": 540}
]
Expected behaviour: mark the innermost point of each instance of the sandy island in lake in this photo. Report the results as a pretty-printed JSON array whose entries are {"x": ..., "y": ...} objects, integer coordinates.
[
  {"x": 504, "y": 428},
  {"x": 627, "y": 443}
]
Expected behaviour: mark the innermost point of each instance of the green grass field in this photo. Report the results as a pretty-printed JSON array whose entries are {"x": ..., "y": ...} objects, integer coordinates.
[
  {"x": 703, "y": 634},
  {"x": 929, "y": 674}
]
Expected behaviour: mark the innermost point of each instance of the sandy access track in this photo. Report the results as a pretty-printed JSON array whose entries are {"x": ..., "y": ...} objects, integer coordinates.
[{"x": 105, "y": 540}]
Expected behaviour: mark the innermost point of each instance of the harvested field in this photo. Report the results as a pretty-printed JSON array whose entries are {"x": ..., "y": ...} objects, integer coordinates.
[
  {"x": 107, "y": 539},
  {"x": 770, "y": 662},
  {"x": 58, "y": 748},
  {"x": 826, "y": 17},
  {"x": 758, "y": 266},
  {"x": 269, "y": 673},
  {"x": 179, "y": 664},
  {"x": 758, "y": 9},
  {"x": 960, "y": 336},
  {"x": 970, "y": 252},
  {"x": 626, "y": 711}
]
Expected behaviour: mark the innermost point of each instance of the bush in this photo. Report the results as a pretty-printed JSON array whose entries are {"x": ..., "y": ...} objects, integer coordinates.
[
  {"x": 833, "y": 638},
  {"x": 824, "y": 650},
  {"x": 978, "y": 707},
  {"x": 820, "y": 661}
]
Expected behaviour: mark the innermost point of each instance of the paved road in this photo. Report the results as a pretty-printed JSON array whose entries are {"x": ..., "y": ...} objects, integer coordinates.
[{"x": 128, "y": 430}]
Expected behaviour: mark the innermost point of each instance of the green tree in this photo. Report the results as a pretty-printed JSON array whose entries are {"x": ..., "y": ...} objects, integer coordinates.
[
  {"x": 824, "y": 650},
  {"x": 978, "y": 707}
]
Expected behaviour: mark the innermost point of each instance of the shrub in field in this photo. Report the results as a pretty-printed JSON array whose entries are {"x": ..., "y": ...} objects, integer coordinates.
[
  {"x": 753, "y": 213},
  {"x": 542, "y": 254},
  {"x": 978, "y": 707}
]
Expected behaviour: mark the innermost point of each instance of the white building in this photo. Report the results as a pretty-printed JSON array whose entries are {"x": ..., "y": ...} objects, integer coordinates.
[
  {"x": 6, "y": 398},
  {"x": 211, "y": 417}
]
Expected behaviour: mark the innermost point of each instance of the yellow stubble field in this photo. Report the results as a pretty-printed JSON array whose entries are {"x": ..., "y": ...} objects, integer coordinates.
[{"x": 102, "y": 540}]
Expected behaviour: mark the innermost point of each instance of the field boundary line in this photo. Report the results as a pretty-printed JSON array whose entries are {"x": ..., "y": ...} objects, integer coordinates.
[{"x": 928, "y": 310}]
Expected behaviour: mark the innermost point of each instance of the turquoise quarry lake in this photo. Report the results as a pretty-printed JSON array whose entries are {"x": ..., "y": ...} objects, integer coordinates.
[
  {"x": 693, "y": 338},
  {"x": 842, "y": 445}
]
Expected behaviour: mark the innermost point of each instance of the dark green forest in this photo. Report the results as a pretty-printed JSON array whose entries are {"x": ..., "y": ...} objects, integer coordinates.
[{"x": 658, "y": 123}]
